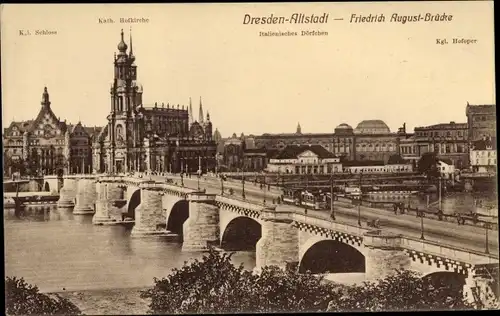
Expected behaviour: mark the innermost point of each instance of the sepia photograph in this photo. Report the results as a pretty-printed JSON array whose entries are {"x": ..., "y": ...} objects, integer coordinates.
[{"x": 249, "y": 157}]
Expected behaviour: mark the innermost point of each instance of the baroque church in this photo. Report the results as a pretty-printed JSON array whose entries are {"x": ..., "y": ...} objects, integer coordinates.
[{"x": 156, "y": 138}]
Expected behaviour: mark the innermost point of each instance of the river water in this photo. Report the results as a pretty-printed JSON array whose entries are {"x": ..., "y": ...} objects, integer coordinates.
[{"x": 58, "y": 250}]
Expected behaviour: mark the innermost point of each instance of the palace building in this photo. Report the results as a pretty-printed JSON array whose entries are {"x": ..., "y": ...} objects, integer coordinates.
[
  {"x": 47, "y": 145},
  {"x": 370, "y": 140},
  {"x": 161, "y": 138}
]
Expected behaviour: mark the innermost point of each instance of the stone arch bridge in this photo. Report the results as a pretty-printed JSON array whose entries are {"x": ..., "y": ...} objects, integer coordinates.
[{"x": 279, "y": 235}]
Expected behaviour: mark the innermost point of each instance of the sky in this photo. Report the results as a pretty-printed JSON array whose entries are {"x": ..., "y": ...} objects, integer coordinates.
[{"x": 249, "y": 83}]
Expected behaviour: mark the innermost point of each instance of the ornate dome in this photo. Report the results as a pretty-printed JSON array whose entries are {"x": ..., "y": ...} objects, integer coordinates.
[
  {"x": 343, "y": 128},
  {"x": 372, "y": 127},
  {"x": 122, "y": 47}
]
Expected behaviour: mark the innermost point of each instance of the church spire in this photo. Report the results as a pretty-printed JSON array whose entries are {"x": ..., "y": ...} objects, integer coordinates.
[
  {"x": 299, "y": 129},
  {"x": 201, "y": 113},
  {"x": 131, "y": 54},
  {"x": 191, "y": 120},
  {"x": 45, "y": 98}
]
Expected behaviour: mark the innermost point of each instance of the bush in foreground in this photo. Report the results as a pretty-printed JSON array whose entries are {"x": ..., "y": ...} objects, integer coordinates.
[
  {"x": 214, "y": 285},
  {"x": 22, "y": 298}
]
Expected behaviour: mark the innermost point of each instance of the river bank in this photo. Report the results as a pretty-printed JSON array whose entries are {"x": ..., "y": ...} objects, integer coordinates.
[{"x": 109, "y": 302}]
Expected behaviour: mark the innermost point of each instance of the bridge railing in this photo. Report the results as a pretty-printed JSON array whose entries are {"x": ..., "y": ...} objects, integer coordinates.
[
  {"x": 447, "y": 251},
  {"x": 313, "y": 219},
  {"x": 244, "y": 203},
  {"x": 464, "y": 219}
]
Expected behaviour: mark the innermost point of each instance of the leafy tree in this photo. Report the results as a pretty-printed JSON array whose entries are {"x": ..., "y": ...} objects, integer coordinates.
[
  {"x": 405, "y": 289},
  {"x": 395, "y": 159},
  {"x": 427, "y": 164},
  {"x": 22, "y": 298},
  {"x": 214, "y": 285},
  {"x": 278, "y": 290}
]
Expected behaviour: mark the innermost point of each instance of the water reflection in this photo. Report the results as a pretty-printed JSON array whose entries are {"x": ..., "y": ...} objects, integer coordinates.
[{"x": 55, "y": 249}]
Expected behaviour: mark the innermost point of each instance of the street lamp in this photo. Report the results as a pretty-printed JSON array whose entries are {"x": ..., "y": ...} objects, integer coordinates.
[
  {"x": 421, "y": 214},
  {"x": 243, "y": 184},
  {"x": 264, "y": 189},
  {"x": 487, "y": 227},
  {"x": 221, "y": 185},
  {"x": 360, "y": 196},
  {"x": 199, "y": 171},
  {"x": 332, "y": 214}
]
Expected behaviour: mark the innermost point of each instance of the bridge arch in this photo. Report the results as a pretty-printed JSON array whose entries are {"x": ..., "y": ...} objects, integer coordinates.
[
  {"x": 241, "y": 233},
  {"x": 177, "y": 216},
  {"x": 320, "y": 255},
  {"x": 133, "y": 202},
  {"x": 46, "y": 187},
  {"x": 453, "y": 280}
]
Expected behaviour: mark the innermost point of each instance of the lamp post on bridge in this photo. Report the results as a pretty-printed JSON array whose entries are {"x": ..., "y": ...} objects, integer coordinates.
[
  {"x": 421, "y": 214},
  {"x": 221, "y": 184},
  {"x": 360, "y": 196},
  {"x": 199, "y": 171},
  {"x": 243, "y": 183},
  {"x": 487, "y": 247},
  {"x": 332, "y": 211},
  {"x": 264, "y": 189}
]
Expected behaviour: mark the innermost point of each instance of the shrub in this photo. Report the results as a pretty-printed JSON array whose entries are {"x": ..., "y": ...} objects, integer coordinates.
[
  {"x": 214, "y": 285},
  {"x": 22, "y": 298}
]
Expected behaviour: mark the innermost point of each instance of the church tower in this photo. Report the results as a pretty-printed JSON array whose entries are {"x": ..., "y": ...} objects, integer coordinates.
[
  {"x": 45, "y": 99},
  {"x": 126, "y": 95}
]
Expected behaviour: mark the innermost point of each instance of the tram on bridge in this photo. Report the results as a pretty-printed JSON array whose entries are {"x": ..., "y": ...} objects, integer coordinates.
[{"x": 314, "y": 199}]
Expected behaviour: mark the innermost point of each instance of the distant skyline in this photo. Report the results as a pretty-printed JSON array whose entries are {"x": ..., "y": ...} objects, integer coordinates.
[{"x": 249, "y": 83}]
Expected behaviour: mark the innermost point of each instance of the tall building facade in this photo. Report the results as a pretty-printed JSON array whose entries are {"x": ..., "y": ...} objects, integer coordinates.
[
  {"x": 161, "y": 138},
  {"x": 47, "y": 145},
  {"x": 481, "y": 121},
  {"x": 449, "y": 141},
  {"x": 370, "y": 140}
]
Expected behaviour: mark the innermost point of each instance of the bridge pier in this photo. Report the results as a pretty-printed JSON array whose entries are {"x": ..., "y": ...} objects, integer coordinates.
[
  {"x": 68, "y": 194},
  {"x": 108, "y": 209},
  {"x": 85, "y": 197},
  {"x": 383, "y": 255},
  {"x": 150, "y": 218},
  {"x": 483, "y": 286},
  {"x": 279, "y": 243},
  {"x": 202, "y": 226}
]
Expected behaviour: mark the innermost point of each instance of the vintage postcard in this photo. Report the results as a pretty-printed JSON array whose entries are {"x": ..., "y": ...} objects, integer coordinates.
[{"x": 227, "y": 158}]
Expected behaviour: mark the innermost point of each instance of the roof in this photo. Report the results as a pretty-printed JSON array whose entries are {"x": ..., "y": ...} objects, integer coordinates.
[
  {"x": 362, "y": 163},
  {"x": 344, "y": 126},
  {"x": 294, "y": 135},
  {"x": 21, "y": 126},
  {"x": 291, "y": 151},
  {"x": 372, "y": 127},
  {"x": 93, "y": 131},
  {"x": 451, "y": 125},
  {"x": 484, "y": 144},
  {"x": 255, "y": 150},
  {"x": 446, "y": 161}
]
